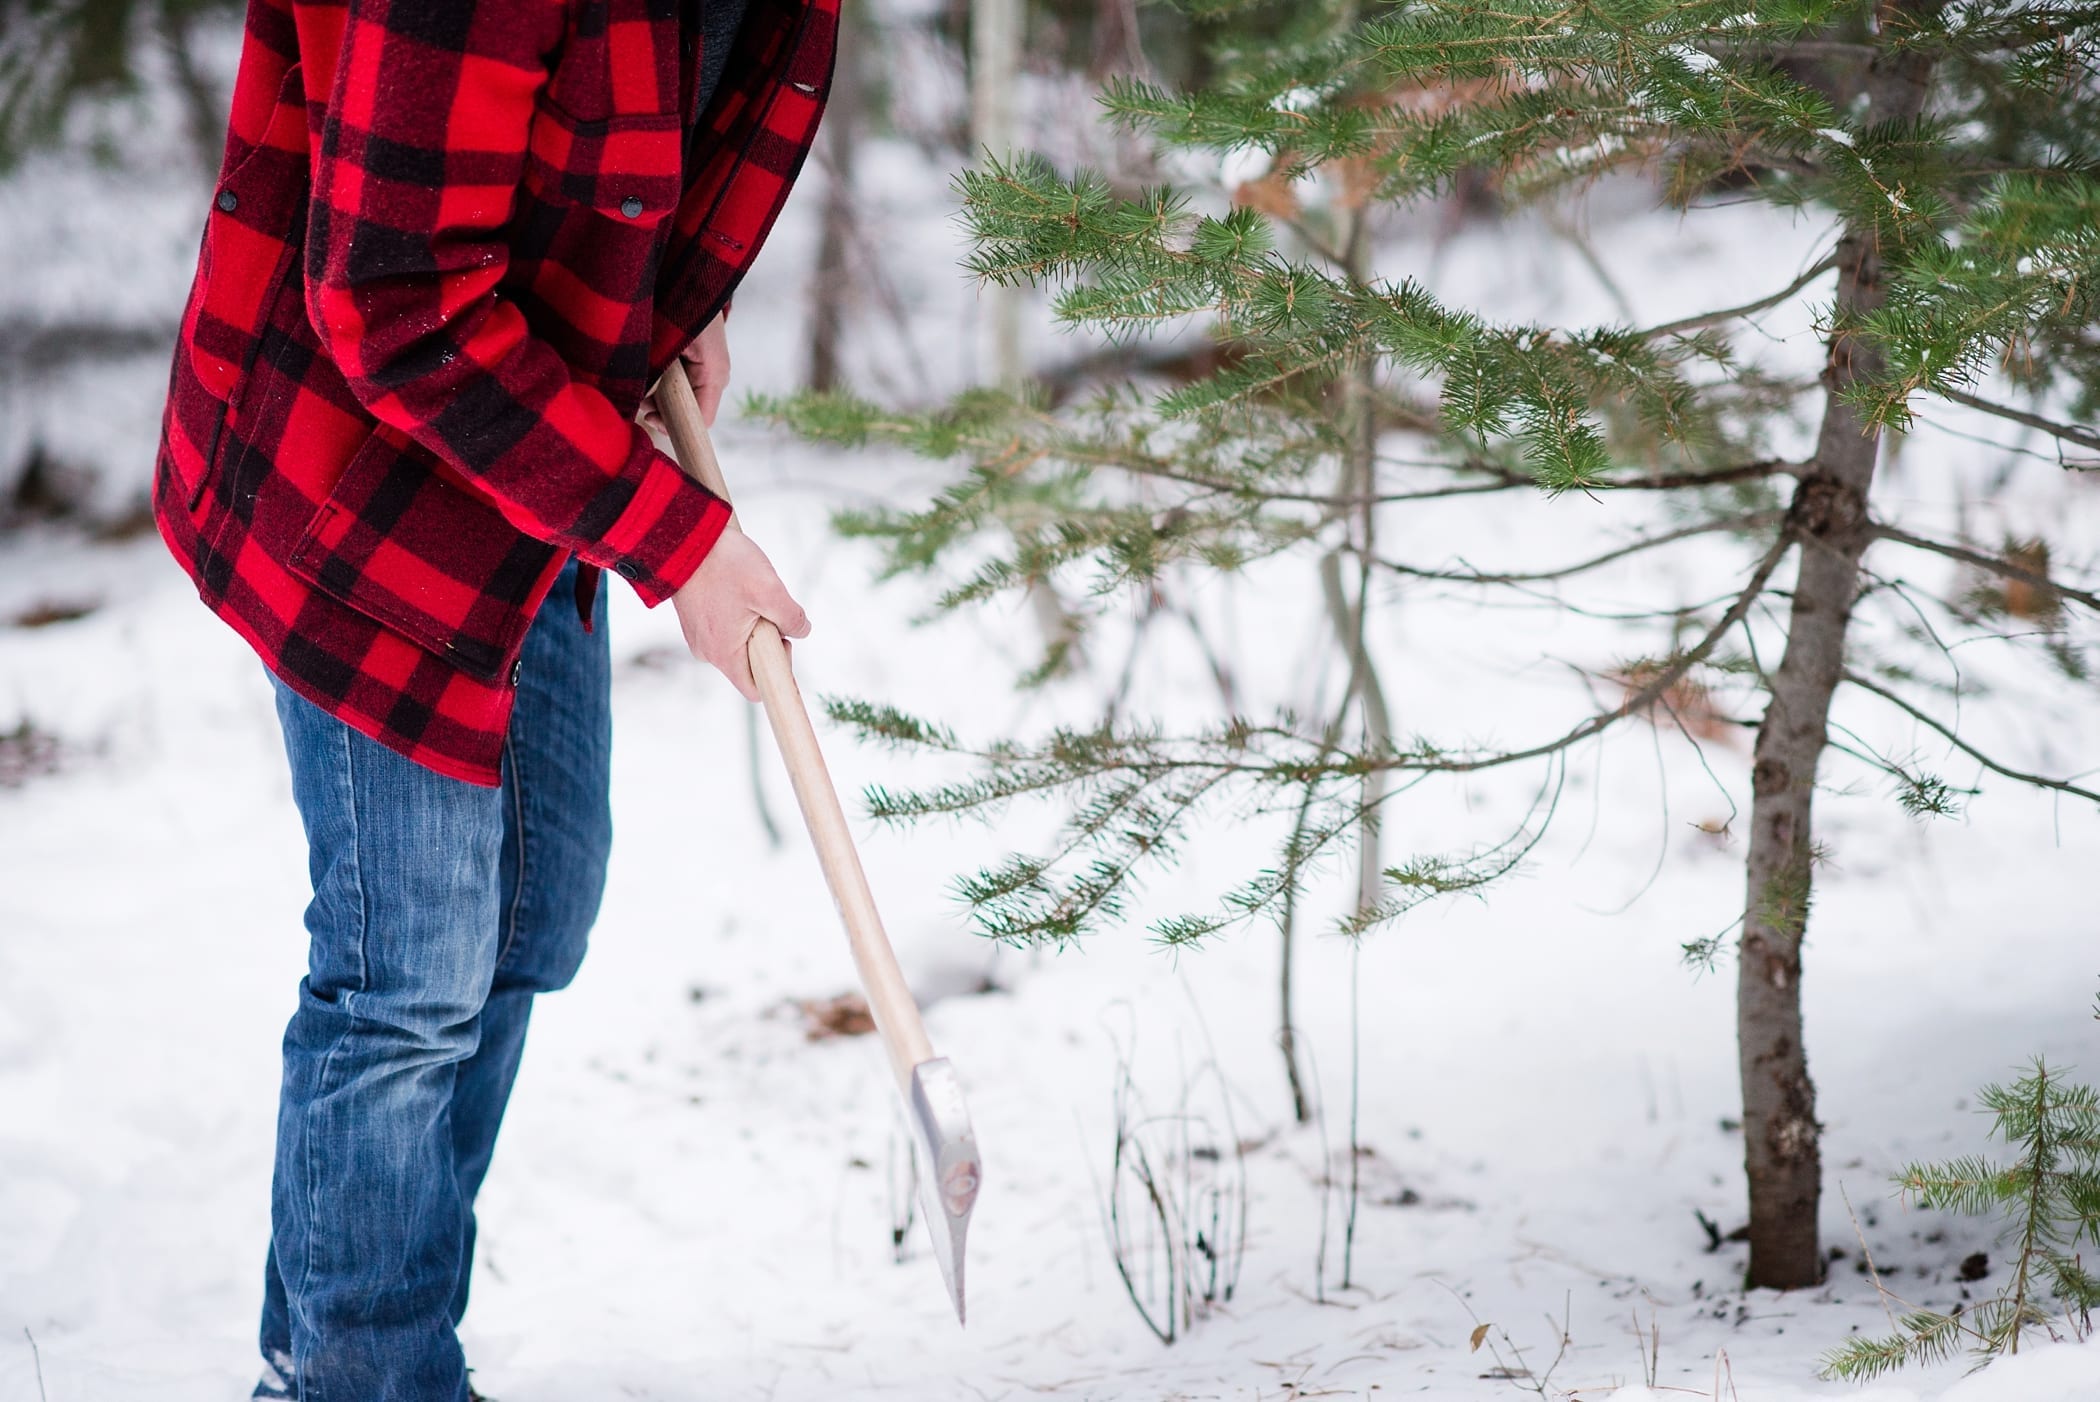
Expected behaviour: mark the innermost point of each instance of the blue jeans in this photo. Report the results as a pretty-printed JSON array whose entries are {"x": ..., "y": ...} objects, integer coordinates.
[{"x": 440, "y": 908}]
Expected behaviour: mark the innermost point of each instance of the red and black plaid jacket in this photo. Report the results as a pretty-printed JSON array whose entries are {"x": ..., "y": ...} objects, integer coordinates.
[{"x": 452, "y": 244}]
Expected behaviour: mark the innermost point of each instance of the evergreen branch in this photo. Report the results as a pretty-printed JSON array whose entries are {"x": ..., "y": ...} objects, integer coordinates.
[
  {"x": 1925, "y": 1336},
  {"x": 2042, "y": 1158},
  {"x": 2069, "y": 433},
  {"x": 1971, "y": 1186},
  {"x": 1705, "y": 319},
  {"x": 1422, "y": 879},
  {"x": 2040, "y": 781},
  {"x": 1919, "y": 794},
  {"x": 1729, "y": 523},
  {"x": 1992, "y": 563}
]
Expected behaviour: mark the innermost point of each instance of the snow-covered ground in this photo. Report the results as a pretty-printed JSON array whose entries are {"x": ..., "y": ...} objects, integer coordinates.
[{"x": 692, "y": 1200}]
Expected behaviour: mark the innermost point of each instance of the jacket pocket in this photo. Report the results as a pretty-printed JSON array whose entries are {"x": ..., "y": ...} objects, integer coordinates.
[
  {"x": 408, "y": 548},
  {"x": 628, "y": 168},
  {"x": 587, "y": 234},
  {"x": 247, "y": 231},
  {"x": 252, "y": 233}
]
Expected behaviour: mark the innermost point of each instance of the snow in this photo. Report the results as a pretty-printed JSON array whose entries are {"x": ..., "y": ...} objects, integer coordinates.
[
  {"x": 1697, "y": 60},
  {"x": 692, "y": 1200}
]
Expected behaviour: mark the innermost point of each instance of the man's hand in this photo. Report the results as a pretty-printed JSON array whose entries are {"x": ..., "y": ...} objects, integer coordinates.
[
  {"x": 720, "y": 606},
  {"x": 736, "y": 585},
  {"x": 706, "y": 366}
]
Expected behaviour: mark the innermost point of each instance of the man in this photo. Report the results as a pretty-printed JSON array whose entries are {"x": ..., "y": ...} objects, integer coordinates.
[{"x": 452, "y": 244}]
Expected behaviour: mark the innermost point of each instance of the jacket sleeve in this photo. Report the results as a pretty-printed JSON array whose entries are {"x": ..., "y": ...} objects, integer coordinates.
[{"x": 415, "y": 171}]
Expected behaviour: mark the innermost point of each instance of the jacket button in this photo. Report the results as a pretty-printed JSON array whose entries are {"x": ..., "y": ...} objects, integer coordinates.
[
  {"x": 227, "y": 200},
  {"x": 627, "y": 569},
  {"x": 517, "y": 669},
  {"x": 631, "y": 207}
]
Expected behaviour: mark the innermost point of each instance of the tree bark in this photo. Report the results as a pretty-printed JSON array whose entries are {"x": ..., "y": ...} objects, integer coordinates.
[
  {"x": 1829, "y": 520},
  {"x": 995, "y": 73},
  {"x": 844, "y": 115},
  {"x": 203, "y": 108}
]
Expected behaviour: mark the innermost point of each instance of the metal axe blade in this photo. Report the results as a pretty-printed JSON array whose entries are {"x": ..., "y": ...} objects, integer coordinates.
[{"x": 949, "y": 1167}]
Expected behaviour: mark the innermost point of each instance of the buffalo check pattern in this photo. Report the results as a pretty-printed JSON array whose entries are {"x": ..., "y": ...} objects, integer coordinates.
[{"x": 451, "y": 245}]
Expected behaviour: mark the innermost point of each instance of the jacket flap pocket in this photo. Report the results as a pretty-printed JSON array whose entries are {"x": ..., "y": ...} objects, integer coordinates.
[
  {"x": 411, "y": 550},
  {"x": 628, "y": 167}
]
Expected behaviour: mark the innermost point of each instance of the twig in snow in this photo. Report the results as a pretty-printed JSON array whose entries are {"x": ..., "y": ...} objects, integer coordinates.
[
  {"x": 1873, "y": 1274},
  {"x": 1356, "y": 1057},
  {"x": 1326, "y": 1182},
  {"x": 36, "y": 1356},
  {"x": 1649, "y": 1344}
]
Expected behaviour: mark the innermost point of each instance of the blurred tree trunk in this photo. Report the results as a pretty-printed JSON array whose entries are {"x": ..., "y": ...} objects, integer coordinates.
[
  {"x": 1117, "y": 47},
  {"x": 204, "y": 111},
  {"x": 845, "y": 113},
  {"x": 995, "y": 73}
]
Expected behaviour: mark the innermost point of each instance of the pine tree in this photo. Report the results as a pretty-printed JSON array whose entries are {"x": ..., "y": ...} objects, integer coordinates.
[
  {"x": 2049, "y": 1197},
  {"x": 1948, "y": 149}
]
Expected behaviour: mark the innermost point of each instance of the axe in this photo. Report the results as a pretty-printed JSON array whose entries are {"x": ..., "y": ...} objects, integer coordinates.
[{"x": 946, "y": 1148}]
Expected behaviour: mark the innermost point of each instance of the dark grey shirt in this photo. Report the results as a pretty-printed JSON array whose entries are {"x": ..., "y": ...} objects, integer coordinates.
[{"x": 714, "y": 28}]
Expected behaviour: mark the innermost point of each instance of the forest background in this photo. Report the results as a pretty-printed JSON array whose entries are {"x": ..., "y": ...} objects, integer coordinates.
[{"x": 1359, "y": 486}]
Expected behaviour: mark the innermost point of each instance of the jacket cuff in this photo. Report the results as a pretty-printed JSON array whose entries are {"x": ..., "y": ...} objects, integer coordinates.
[{"x": 664, "y": 534}]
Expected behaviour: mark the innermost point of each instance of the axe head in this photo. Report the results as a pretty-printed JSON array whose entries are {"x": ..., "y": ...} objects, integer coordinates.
[{"x": 948, "y": 1164}]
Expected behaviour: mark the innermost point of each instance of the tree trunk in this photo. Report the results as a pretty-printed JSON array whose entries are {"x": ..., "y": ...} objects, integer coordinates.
[
  {"x": 1829, "y": 520},
  {"x": 844, "y": 115},
  {"x": 203, "y": 109},
  {"x": 995, "y": 74}
]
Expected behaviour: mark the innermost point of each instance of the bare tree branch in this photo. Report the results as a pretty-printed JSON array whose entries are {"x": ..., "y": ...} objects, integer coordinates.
[
  {"x": 1987, "y": 562},
  {"x": 1657, "y": 687},
  {"x": 2040, "y": 781},
  {"x": 1694, "y": 323},
  {"x": 1787, "y": 48},
  {"x": 1730, "y": 523},
  {"x": 2069, "y": 433},
  {"x": 1721, "y": 476},
  {"x": 1498, "y": 479},
  {"x": 1502, "y": 479}
]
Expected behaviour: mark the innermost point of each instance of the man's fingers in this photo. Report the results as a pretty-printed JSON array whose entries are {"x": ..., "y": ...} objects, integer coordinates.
[
  {"x": 721, "y": 606},
  {"x": 778, "y": 607},
  {"x": 709, "y": 380},
  {"x": 737, "y": 666}
]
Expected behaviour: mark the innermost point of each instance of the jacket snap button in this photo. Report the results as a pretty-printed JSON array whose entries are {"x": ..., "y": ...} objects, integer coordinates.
[
  {"x": 631, "y": 207},
  {"x": 628, "y": 570},
  {"x": 227, "y": 200},
  {"x": 517, "y": 669}
]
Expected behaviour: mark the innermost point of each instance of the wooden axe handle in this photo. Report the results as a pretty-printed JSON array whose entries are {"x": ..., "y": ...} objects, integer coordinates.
[{"x": 889, "y": 997}]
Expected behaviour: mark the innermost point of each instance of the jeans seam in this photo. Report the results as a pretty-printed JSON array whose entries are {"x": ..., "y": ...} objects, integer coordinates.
[
  {"x": 517, "y": 895},
  {"x": 364, "y": 921}
]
